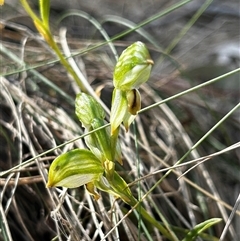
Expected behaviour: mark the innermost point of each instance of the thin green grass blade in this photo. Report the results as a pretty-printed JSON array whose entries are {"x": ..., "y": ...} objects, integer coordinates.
[
  {"x": 185, "y": 29},
  {"x": 221, "y": 77}
]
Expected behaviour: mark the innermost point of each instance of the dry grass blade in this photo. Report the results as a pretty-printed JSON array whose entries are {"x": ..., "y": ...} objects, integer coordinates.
[{"x": 37, "y": 123}]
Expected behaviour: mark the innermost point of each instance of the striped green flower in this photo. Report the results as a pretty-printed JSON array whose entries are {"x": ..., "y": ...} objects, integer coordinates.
[{"x": 133, "y": 67}]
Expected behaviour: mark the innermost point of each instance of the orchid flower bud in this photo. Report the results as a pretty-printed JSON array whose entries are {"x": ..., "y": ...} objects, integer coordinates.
[
  {"x": 133, "y": 67},
  {"x": 87, "y": 109},
  {"x": 91, "y": 114},
  {"x": 74, "y": 168}
]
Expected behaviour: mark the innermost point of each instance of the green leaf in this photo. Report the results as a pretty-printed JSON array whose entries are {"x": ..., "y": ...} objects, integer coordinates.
[
  {"x": 200, "y": 228},
  {"x": 74, "y": 168},
  {"x": 133, "y": 67}
]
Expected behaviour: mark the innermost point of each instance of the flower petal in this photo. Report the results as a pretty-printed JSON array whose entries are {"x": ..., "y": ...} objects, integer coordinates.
[{"x": 134, "y": 101}]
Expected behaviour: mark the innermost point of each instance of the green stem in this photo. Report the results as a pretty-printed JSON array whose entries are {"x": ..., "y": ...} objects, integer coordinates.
[
  {"x": 167, "y": 233},
  {"x": 65, "y": 63},
  {"x": 120, "y": 189},
  {"x": 44, "y": 30}
]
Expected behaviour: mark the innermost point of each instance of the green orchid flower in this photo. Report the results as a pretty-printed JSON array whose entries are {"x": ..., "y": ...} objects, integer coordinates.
[
  {"x": 132, "y": 69},
  {"x": 81, "y": 167}
]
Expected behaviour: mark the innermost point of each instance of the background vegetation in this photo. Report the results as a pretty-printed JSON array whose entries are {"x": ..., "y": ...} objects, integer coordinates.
[{"x": 190, "y": 109}]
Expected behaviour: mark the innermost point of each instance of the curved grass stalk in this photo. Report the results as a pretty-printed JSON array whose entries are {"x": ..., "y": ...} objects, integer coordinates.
[
  {"x": 70, "y": 58},
  {"x": 5, "y": 230},
  {"x": 234, "y": 210},
  {"x": 72, "y": 62},
  {"x": 132, "y": 25},
  {"x": 93, "y": 21}
]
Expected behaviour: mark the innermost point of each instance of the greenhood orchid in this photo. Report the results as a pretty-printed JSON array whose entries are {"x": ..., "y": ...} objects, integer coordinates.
[
  {"x": 132, "y": 69},
  {"x": 95, "y": 167}
]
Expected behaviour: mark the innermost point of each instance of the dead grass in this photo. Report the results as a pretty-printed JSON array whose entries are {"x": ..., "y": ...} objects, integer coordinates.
[{"x": 36, "y": 120}]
